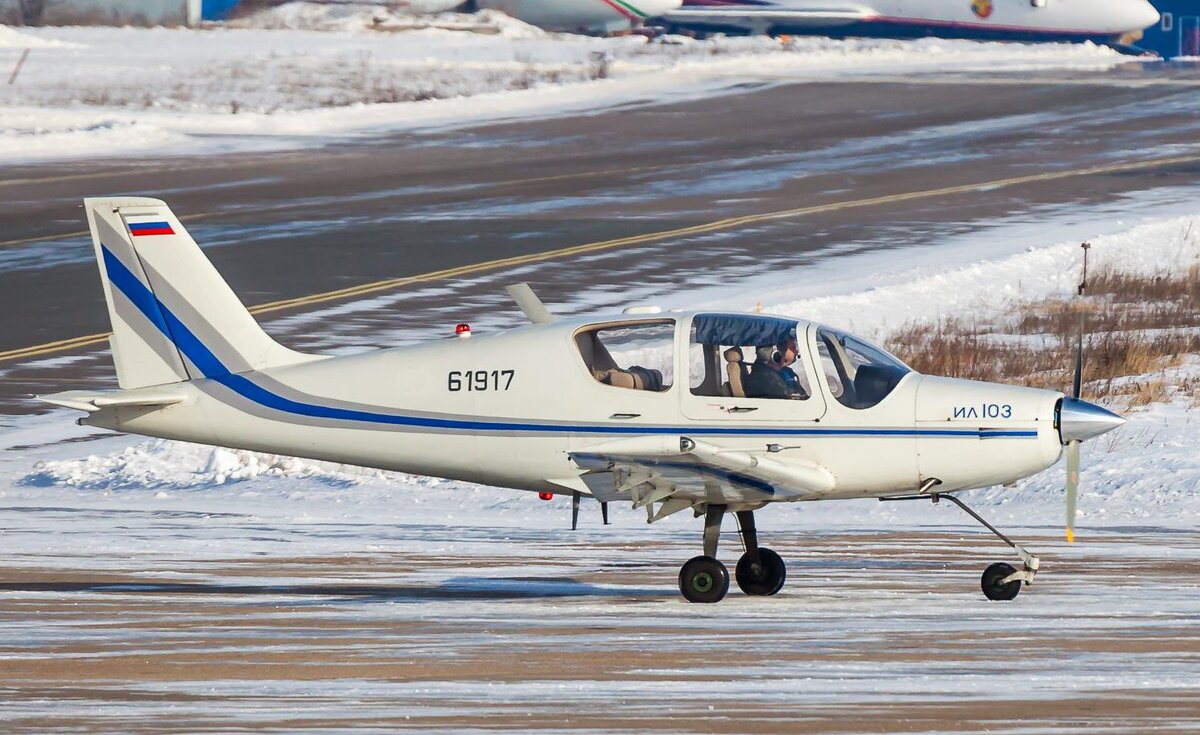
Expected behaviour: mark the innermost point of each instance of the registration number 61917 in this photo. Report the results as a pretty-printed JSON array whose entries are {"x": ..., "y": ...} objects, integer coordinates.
[{"x": 479, "y": 380}]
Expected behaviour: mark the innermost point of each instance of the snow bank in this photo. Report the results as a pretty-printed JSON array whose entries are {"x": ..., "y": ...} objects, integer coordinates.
[
  {"x": 159, "y": 464},
  {"x": 354, "y": 18},
  {"x": 250, "y": 85},
  {"x": 989, "y": 288},
  {"x": 10, "y": 38}
]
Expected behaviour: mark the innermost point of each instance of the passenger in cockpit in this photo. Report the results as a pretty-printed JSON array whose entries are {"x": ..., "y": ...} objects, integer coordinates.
[{"x": 771, "y": 375}]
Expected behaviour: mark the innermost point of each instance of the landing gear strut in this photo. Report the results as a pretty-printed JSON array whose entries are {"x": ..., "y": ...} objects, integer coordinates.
[
  {"x": 760, "y": 571},
  {"x": 1000, "y": 581}
]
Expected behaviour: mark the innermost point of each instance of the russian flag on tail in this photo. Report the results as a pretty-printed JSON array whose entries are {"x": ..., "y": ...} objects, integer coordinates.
[{"x": 140, "y": 229}]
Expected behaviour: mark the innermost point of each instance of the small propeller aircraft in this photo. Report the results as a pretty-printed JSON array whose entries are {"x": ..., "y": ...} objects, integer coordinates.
[{"x": 660, "y": 409}]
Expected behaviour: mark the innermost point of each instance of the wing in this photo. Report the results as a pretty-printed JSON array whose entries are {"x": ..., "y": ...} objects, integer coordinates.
[
  {"x": 680, "y": 473},
  {"x": 758, "y": 16}
]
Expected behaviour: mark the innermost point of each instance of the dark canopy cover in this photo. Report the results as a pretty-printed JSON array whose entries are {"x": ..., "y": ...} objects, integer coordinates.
[{"x": 741, "y": 329}]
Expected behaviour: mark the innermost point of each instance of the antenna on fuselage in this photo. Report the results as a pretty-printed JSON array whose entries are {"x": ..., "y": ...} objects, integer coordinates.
[{"x": 533, "y": 307}]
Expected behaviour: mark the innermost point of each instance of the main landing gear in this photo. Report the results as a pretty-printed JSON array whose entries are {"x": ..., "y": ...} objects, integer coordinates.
[
  {"x": 759, "y": 571},
  {"x": 1000, "y": 581}
]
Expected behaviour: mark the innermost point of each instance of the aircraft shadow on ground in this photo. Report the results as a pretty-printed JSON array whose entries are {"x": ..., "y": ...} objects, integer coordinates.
[{"x": 458, "y": 588}]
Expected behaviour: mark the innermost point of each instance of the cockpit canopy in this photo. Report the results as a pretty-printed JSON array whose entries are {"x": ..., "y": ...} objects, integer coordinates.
[
  {"x": 757, "y": 354},
  {"x": 748, "y": 356},
  {"x": 731, "y": 353}
]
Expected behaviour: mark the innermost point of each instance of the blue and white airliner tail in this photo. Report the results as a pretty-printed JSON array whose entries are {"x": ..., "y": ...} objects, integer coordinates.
[{"x": 1102, "y": 21}]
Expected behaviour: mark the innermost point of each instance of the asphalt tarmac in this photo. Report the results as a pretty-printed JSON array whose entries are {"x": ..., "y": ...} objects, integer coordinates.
[
  {"x": 648, "y": 199},
  {"x": 452, "y": 629}
]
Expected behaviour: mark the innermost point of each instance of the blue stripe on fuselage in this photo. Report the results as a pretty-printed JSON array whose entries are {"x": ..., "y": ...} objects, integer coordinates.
[{"x": 211, "y": 367}]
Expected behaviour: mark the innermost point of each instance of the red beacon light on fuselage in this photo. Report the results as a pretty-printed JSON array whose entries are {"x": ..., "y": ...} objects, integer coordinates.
[{"x": 462, "y": 330}]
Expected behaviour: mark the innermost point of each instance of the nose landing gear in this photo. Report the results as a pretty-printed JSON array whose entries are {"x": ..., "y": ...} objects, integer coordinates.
[
  {"x": 759, "y": 572},
  {"x": 1000, "y": 581}
]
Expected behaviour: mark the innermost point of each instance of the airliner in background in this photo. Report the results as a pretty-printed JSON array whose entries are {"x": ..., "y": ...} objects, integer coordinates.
[
  {"x": 1118, "y": 22},
  {"x": 580, "y": 16}
]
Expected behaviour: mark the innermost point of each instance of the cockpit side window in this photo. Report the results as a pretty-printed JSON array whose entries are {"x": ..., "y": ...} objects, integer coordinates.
[
  {"x": 638, "y": 356},
  {"x": 745, "y": 356},
  {"x": 859, "y": 375}
]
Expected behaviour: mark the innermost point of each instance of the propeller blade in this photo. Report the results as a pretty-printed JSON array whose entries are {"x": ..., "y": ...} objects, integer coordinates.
[
  {"x": 1072, "y": 487},
  {"x": 575, "y": 510}
]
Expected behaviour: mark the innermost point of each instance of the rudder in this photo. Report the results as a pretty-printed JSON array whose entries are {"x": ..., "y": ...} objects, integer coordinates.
[{"x": 174, "y": 318}]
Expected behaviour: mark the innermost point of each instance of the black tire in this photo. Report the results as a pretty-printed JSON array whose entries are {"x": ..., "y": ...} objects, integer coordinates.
[
  {"x": 703, "y": 579},
  {"x": 767, "y": 579},
  {"x": 992, "y": 589}
]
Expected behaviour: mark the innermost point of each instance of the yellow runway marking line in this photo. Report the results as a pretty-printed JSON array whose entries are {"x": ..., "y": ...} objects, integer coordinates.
[
  {"x": 649, "y": 237},
  {"x": 52, "y": 347}
]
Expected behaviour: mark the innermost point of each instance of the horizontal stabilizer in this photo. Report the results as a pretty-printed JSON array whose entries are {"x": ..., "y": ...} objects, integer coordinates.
[{"x": 91, "y": 401}]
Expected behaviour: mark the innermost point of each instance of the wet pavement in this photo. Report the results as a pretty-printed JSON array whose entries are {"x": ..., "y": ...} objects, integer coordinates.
[{"x": 427, "y": 628}]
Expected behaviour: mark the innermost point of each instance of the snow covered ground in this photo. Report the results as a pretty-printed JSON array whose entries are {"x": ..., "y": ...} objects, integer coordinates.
[{"x": 303, "y": 74}]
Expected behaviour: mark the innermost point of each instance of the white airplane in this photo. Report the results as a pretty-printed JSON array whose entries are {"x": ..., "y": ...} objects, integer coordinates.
[
  {"x": 661, "y": 410},
  {"x": 1102, "y": 21},
  {"x": 582, "y": 16}
]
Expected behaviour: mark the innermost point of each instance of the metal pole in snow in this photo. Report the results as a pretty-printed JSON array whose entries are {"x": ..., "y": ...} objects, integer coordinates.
[{"x": 17, "y": 69}]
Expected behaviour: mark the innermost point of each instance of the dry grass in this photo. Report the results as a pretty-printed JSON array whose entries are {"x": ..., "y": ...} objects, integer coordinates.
[{"x": 1138, "y": 327}]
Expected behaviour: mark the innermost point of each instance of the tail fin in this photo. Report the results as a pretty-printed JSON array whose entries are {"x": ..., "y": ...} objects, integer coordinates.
[{"x": 174, "y": 318}]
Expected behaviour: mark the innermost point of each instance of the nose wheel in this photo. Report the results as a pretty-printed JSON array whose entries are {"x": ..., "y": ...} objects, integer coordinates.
[
  {"x": 760, "y": 571},
  {"x": 998, "y": 582}
]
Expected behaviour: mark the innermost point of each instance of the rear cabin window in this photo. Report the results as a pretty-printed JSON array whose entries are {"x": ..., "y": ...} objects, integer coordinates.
[
  {"x": 859, "y": 375},
  {"x": 637, "y": 356},
  {"x": 743, "y": 356}
]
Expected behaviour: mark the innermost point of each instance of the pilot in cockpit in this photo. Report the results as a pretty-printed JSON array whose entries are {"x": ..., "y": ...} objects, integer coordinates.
[{"x": 771, "y": 375}]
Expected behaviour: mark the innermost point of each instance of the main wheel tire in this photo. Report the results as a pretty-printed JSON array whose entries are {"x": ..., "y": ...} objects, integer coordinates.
[
  {"x": 767, "y": 579},
  {"x": 703, "y": 579},
  {"x": 993, "y": 589}
]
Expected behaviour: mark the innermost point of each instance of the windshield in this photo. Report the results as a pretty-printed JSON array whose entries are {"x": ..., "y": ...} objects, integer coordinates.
[{"x": 859, "y": 374}]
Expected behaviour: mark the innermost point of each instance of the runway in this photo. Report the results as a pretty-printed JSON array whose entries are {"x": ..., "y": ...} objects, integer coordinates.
[
  {"x": 452, "y": 629},
  {"x": 405, "y": 234}
]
